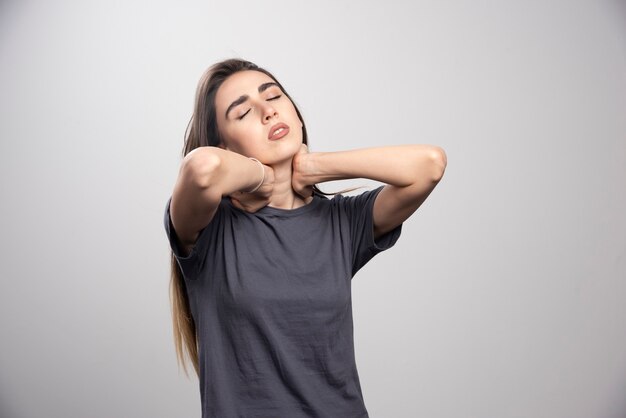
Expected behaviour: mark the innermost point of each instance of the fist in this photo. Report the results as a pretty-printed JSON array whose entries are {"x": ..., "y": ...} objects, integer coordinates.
[{"x": 252, "y": 202}]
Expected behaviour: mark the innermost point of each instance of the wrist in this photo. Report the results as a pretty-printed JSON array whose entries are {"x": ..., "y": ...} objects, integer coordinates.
[
  {"x": 262, "y": 180},
  {"x": 322, "y": 167},
  {"x": 305, "y": 166}
]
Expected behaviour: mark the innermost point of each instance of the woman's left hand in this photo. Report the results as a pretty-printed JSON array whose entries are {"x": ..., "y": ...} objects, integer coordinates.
[{"x": 299, "y": 176}]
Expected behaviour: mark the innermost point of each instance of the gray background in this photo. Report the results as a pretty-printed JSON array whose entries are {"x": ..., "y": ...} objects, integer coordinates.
[{"x": 505, "y": 295}]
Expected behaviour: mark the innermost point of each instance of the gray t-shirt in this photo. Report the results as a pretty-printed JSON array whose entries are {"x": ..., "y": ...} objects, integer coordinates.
[{"x": 270, "y": 294}]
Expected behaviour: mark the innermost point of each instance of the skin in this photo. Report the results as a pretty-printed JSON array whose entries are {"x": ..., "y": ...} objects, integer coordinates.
[
  {"x": 410, "y": 172},
  {"x": 245, "y": 131}
]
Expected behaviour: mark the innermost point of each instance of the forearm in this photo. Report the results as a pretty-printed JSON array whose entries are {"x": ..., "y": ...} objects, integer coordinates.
[
  {"x": 398, "y": 165},
  {"x": 223, "y": 171}
]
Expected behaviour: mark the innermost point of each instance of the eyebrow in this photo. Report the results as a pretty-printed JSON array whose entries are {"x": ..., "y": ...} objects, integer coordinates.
[{"x": 245, "y": 97}]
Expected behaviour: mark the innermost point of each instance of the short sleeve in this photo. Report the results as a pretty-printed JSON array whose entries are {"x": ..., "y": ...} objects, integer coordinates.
[
  {"x": 359, "y": 210},
  {"x": 192, "y": 263}
]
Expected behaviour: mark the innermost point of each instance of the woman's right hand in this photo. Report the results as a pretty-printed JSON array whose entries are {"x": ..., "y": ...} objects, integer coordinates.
[{"x": 251, "y": 202}]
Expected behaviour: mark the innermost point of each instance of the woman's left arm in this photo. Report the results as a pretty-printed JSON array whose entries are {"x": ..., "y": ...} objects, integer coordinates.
[{"x": 410, "y": 172}]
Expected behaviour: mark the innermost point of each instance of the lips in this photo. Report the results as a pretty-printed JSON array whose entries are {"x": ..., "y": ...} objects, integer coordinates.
[{"x": 278, "y": 131}]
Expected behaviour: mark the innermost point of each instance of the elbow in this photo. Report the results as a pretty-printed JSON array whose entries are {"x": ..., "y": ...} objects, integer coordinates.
[
  {"x": 439, "y": 162},
  {"x": 201, "y": 168}
]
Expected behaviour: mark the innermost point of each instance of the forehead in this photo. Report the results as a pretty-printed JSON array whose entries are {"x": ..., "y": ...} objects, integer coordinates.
[{"x": 238, "y": 84}]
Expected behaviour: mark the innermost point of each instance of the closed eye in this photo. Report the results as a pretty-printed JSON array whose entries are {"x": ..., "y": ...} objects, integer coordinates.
[
  {"x": 271, "y": 98},
  {"x": 241, "y": 117}
]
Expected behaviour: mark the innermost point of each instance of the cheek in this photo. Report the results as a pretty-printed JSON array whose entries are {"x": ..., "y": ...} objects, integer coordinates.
[
  {"x": 242, "y": 137},
  {"x": 229, "y": 138},
  {"x": 244, "y": 131},
  {"x": 295, "y": 115}
]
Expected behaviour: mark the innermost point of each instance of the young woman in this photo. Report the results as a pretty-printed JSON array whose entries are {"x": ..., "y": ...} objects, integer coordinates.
[{"x": 262, "y": 260}]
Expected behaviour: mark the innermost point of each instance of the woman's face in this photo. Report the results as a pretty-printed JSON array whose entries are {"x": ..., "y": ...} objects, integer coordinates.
[{"x": 250, "y": 107}]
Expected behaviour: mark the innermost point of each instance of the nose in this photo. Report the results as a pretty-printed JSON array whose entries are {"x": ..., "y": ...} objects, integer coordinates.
[{"x": 269, "y": 112}]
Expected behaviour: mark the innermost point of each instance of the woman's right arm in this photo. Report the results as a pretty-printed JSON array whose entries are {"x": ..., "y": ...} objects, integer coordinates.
[{"x": 206, "y": 174}]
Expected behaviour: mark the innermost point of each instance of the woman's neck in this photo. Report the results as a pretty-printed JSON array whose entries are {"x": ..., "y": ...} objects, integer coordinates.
[{"x": 283, "y": 195}]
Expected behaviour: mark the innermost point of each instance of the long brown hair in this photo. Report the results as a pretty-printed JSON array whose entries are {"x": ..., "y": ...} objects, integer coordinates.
[{"x": 202, "y": 131}]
